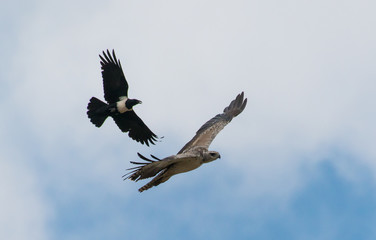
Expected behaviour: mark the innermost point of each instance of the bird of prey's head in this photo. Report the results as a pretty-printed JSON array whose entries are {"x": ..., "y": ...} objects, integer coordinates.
[
  {"x": 211, "y": 156},
  {"x": 131, "y": 102}
]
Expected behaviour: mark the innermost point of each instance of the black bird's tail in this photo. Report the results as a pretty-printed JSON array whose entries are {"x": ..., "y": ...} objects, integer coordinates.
[{"x": 97, "y": 111}]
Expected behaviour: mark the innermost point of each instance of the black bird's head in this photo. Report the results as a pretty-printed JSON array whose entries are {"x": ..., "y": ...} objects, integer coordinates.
[{"x": 132, "y": 102}]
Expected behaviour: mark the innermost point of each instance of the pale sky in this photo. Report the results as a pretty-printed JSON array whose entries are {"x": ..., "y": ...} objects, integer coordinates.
[{"x": 298, "y": 163}]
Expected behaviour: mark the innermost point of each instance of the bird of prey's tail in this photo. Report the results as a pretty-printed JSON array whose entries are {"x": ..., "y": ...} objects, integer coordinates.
[{"x": 97, "y": 111}]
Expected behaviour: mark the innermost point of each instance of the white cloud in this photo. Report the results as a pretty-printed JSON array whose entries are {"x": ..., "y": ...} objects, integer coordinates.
[
  {"x": 298, "y": 64},
  {"x": 25, "y": 212},
  {"x": 306, "y": 68}
]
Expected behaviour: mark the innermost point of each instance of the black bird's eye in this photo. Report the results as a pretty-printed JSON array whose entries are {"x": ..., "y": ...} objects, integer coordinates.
[{"x": 213, "y": 154}]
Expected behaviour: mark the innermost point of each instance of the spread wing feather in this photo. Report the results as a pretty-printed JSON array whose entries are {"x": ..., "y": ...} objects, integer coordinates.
[
  {"x": 129, "y": 121},
  {"x": 150, "y": 168},
  {"x": 205, "y": 135},
  {"x": 114, "y": 83}
]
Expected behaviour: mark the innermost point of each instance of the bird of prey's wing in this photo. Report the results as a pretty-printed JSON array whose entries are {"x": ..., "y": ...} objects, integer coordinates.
[
  {"x": 205, "y": 135},
  {"x": 115, "y": 85},
  {"x": 150, "y": 168},
  {"x": 163, "y": 169},
  {"x": 129, "y": 121}
]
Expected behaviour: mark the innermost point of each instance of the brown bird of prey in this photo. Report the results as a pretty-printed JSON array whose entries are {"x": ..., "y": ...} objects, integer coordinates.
[
  {"x": 192, "y": 155},
  {"x": 119, "y": 106}
]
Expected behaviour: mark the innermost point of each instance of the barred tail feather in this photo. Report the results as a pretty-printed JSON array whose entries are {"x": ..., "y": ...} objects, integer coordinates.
[
  {"x": 146, "y": 187},
  {"x": 160, "y": 178}
]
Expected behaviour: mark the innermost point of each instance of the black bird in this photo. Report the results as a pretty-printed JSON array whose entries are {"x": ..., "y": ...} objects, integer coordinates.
[{"x": 119, "y": 106}]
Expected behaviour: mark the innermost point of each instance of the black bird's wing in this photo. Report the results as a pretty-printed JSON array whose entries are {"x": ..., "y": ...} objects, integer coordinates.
[
  {"x": 130, "y": 122},
  {"x": 114, "y": 83},
  {"x": 206, "y": 134}
]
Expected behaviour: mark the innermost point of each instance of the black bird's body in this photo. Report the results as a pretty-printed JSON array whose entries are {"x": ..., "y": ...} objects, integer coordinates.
[{"x": 118, "y": 105}]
